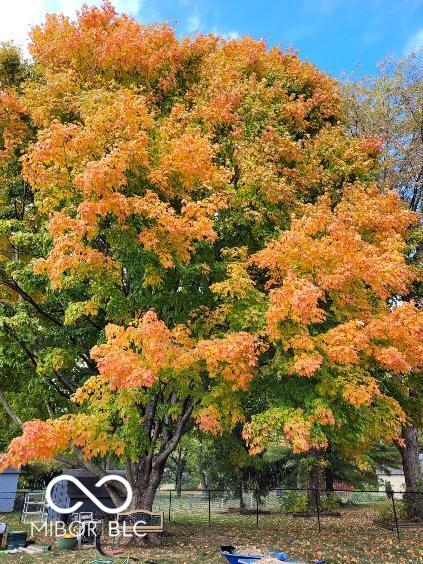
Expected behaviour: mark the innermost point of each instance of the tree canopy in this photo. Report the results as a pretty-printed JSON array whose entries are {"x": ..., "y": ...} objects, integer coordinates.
[{"x": 186, "y": 223}]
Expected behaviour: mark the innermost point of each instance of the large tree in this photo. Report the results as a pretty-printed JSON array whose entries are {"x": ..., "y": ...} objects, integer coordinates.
[{"x": 202, "y": 223}]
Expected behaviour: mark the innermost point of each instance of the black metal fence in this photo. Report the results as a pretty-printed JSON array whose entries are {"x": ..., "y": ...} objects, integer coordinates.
[
  {"x": 12, "y": 502},
  {"x": 319, "y": 510},
  {"x": 278, "y": 508}
]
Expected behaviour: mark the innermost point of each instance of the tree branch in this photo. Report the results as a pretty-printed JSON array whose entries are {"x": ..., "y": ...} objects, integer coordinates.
[
  {"x": 13, "y": 285},
  {"x": 9, "y": 410},
  {"x": 117, "y": 492},
  {"x": 170, "y": 445},
  {"x": 33, "y": 358}
]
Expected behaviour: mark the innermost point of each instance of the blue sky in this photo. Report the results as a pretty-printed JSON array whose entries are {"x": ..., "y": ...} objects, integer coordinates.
[{"x": 337, "y": 35}]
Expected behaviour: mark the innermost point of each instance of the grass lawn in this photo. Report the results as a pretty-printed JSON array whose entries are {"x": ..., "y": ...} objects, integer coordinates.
[{"x": 350, "y": 538}]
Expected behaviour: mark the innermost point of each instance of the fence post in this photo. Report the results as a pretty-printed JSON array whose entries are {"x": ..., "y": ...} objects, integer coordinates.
[
  {"x": 209, "y": 507},
  {"x": 318, "y": 508},
  {"x": 395, "y": 515},
  {"x": 170, "y": 503}
]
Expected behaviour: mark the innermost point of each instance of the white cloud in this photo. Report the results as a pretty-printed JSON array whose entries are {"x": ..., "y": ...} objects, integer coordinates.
[
  {"x": 414, "y": 43},
  {"x": 230, "y": 34},
  {"x": 193, "y": 24},
  {"x": 18, "y": 16},
  {"x": 233, "y": 34},
  {"x": 130, "y": 7}
]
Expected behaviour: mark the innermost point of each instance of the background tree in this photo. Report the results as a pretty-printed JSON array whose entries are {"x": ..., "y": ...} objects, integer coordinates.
[
  {"x": 389, "y": 105},
  {"x": 181, "y": 469},
  {"x": 231, "y": 469}
]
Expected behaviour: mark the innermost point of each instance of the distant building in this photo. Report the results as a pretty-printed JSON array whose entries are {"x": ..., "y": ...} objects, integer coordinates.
[
  {"x": 394, "y": 477},
  {"x": 8, "y": 486}
]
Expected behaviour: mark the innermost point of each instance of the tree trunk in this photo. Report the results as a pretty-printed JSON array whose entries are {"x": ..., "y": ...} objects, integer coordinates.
[
  {"x": 145, "y": 481},
  {"x": 180, "y": 461},
  {"x": 202, "y": 470},
  {"x": 412, "y": 473},
  {"x": 241, "y": 496},
  {"x": 178, "y": 481},
  {"x": 203, "y": 480},
  {"x": 329, "y": 479},
  {"x": 313, "y": 488},
  {"x": 146, "y": 474}
]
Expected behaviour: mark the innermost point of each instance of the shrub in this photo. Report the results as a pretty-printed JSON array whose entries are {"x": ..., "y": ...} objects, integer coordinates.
[
  {"x": 294, "y": 502},
  {"x": 386, "y": 511},
  {"x": 330, "y": 502}
]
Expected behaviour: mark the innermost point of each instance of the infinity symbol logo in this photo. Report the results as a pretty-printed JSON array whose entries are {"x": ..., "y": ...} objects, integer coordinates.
[{"x": 77, "y": 505}]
